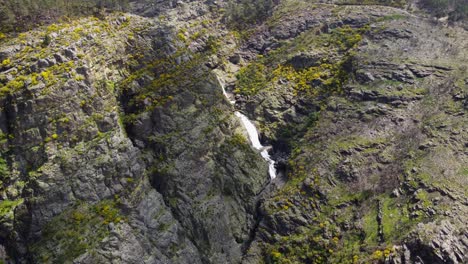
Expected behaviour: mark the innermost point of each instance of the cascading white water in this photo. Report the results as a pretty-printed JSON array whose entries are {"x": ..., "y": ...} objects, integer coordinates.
[
  {"x": 225, "y": 93},
  {"x": 253, "y": 135}
]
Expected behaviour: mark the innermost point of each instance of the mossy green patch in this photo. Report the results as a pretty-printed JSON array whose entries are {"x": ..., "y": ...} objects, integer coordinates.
[
  {"x": 251, "y": 79},
  {"x": 354, "y": 142},
  {"x": 396, "y": 222},
  {"x": 75, "y": 231},
  {"x": 345, "y": 195},
  {"x": 7, "y": 207},
  {"x": 238, "y": 140}
]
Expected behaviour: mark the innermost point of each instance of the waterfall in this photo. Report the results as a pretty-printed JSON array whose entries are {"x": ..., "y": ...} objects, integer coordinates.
[{"x": 253, "y": 135}]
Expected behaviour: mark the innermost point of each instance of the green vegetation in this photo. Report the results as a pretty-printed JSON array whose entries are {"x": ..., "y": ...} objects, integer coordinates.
[
  {"x": 353, "y": 141},
  {"x": 76, "y": 230},
  {"x": 393, "y": 17},
  {"x": 329, "y": 77},
  {"x": 12, "y": 86},
  {"x": 6, "y": 62},
  {"x": 50, "y": 76},
  {"x": 308, "y": 245},
  {"x": 346, "y": 38},
  {"x": 46, "y": 41},
  {"x": 323, "y": 241},
  {"x": 239, "y": 141},
  {"x": 326, "y": 78},
  {"x": 396, "y": 222},
  {"x": 21, "y": 15},
  {"x": 7, "y": 207},
  {"x": 251, "y": 79},
  {"x": 159, "y": 91}
]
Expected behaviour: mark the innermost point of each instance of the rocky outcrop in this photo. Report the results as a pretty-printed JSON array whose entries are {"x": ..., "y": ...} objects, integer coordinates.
[{"x": 439, "y": 243}]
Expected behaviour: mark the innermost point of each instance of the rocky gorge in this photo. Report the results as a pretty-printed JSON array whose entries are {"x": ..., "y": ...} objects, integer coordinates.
[{"x": 195, "y": 132}]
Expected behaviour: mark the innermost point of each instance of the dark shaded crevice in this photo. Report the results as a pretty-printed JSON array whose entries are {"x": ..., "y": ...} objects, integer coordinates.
[
  {"x": 258, "y": 217},
  {"x": 15, "y": 242},
  {"x": 280, "y": 159},
  {"x": 380, "y": 232}
]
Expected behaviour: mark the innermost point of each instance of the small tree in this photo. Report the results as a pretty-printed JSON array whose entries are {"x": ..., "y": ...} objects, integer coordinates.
[{"x": 46, "y": 41}]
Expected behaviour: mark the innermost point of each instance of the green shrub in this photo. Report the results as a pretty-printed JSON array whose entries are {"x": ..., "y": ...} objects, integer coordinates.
[
  {"x": 15, "y": 84},
  {"x": 251, "y": 79},
  {"x": 4, "y": 91},
  {"x": 6, "y": 62},
  {"x": 346, "y": 38},
  {"x": 237, "y": 140},
  {"x": 46, "y": 41},
  {"x": 212, "y": 44},
  {"x": 7, "y": 207},
  {"x": 48, "y": 76}
]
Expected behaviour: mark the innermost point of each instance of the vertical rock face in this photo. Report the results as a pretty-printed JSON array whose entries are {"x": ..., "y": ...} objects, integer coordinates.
[{"x": 117, "y": 144}]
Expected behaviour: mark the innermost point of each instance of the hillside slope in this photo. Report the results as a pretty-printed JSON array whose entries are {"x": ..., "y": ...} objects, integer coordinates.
[{"x": 118, "y": 145}]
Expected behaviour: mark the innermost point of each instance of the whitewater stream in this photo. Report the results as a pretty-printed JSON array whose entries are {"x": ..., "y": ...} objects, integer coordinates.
[{"x": 253, "y": 134}]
